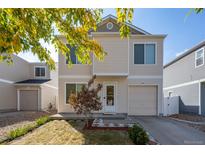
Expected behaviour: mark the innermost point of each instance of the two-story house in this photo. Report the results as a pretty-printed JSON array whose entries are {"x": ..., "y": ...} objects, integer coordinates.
[
  {"x": 185, "y": 77},
  {"x": 27, "y": 86},
  {"x": 131, "y": 72}
]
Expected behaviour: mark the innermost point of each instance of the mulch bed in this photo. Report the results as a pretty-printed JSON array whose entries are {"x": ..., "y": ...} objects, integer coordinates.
[
  {"x": 189, "y": 117},
  {"x": 90, "y": 127}
]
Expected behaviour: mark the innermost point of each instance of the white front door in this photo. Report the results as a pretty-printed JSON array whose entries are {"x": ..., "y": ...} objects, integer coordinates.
[{"x": 109, "y": 97}]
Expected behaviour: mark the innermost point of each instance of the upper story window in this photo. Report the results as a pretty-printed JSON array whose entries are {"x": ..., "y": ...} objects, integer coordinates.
[
  {"x": 40, "y": 71},
  {"x": 145, "y": 53},
  {"x": 73, "y": 56},
  {"x": 73, "y": 88},
  {"x": 199, "y": 57}
]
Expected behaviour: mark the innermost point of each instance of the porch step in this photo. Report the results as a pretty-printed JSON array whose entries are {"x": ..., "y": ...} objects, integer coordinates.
[{"x": 73, "y": 116}]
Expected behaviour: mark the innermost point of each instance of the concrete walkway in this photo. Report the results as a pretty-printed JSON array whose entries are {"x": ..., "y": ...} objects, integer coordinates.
[
  {"x": 170, "y": 132},
  {"x": 69, "y": 116}
]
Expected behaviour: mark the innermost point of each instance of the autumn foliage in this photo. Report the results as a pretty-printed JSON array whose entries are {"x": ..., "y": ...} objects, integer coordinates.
[{"x": 86, "y": 100}]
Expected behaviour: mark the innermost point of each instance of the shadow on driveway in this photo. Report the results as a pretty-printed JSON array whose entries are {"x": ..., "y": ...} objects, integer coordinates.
[{"x": 170, "y": 132}]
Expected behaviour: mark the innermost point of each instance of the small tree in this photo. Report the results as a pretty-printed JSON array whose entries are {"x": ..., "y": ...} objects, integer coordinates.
[{"x": 86, "y": 100}]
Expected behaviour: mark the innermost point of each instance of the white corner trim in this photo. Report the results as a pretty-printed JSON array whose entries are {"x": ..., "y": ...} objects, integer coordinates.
[
  {"x": 74, "y": 76},
  {"x": 145, "y": 77},
  {"x": 184, "y": 84},
  {"x": 50, "y": 86},
  {"x": 6, "y": 81},
  {"x": 200, "y": 98}
]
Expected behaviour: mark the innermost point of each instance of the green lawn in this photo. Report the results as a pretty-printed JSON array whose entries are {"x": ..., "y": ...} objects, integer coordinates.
[{"x": 59, "y": 132}]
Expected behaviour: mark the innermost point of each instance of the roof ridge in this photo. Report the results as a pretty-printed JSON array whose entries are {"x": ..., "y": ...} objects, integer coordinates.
[{"x": 192, "y": 49}]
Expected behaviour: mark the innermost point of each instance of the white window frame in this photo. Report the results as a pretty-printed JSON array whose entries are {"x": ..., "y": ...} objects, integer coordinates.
[
  {"x": 155, "y": 43},
  {"x": 40, "y": 73},
  {"x": 86, "y": 83},
  {"x": 200, "y": 57}
]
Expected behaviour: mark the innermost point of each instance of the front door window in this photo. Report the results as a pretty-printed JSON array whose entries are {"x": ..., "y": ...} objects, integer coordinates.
[
  {"x": 110, "y": 95},
  {"x": 109, "y": 98}
]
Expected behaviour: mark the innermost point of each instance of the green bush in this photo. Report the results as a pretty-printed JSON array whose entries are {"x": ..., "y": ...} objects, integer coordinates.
[
  {"x": 42, "y": 120},
  {"x": 138, "y": 135},
  {"x": 20, "y": 131}
]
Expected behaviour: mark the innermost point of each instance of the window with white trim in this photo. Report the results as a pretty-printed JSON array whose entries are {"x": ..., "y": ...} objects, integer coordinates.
[
  {"x": 73, "y": 88},
  {"x": 144, "y": 53},
  {"x": 40, "y": 71},
  {"x": 73, "y": 57},
  {"x": 199, "y": 57}
]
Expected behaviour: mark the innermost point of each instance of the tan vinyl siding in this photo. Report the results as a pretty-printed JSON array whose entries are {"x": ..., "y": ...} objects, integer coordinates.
[
  {"x": 8, "y": 97},
  {"x": 17, "y": 71},
  {"x": 116, "y": 60},
  {"x": 146, "y": 69},
  {"x": 121, "y": 104},
  {"x": 12, "y": 73},
  {"x": 49, "y": 96},
  {"x": 75, "y": 69}
]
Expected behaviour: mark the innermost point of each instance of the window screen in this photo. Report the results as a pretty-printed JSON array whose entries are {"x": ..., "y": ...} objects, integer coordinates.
[{"x": 144, "y": 54}]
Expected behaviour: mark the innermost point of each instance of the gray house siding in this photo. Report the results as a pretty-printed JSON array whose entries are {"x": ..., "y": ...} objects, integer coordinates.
[
  {"x": 189, "y": 98},
  {"x": 183, "y": 71},
  {"x": 182, "y": 78}
]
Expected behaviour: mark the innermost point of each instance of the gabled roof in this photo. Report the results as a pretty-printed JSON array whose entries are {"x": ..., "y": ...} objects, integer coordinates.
[
  {"x": 110, "y": 16},
  {"x": 198, "y": 46}
]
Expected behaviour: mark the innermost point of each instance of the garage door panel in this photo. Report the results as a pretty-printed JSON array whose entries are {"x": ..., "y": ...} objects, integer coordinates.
[
  {"x": 142, "y": 100},
  {"x": 28, "y": 100}
]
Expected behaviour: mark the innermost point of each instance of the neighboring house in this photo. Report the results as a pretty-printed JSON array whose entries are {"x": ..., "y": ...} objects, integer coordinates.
[
  {"x": 27, "y": 86},
  {"x": 185, "y": 77},
  {"x": 131, "y": 73}
]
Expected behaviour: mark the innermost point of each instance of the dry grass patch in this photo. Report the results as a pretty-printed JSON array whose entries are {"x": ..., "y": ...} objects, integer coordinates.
[{"x": 59, "y": 132}]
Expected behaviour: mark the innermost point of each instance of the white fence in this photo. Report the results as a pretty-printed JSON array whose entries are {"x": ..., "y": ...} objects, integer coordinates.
[{"x": 171, "y": 105}]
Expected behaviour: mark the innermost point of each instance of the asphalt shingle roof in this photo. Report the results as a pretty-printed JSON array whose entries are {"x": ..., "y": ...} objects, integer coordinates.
[{"x": 33, "y": 81}]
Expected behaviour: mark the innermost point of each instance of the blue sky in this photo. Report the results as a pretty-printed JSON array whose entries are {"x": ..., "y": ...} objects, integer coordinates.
[{"x": 183, "y": 31}]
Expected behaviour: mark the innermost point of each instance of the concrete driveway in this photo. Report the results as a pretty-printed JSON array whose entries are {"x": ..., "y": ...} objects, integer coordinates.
[{"x": 171, "y": 132}]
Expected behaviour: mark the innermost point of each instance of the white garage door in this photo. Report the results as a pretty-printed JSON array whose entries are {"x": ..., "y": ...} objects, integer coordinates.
[
  {"x": 142, "y": 100},
  {"x": 29, "y": 100}
]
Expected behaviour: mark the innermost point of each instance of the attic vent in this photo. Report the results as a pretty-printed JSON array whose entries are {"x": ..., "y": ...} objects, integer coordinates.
[{"x": 109, "y": 25}]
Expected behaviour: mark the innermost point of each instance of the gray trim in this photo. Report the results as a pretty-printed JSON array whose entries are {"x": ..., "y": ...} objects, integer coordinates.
[{"x": 198, "y": 46}]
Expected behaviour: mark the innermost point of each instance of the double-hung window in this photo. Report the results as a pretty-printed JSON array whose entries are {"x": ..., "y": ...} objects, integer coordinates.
[
  {"x": 72, "y": 88},
  {"x": 74, "y": 58},
  {"x": 40, "y": 71},
  {"x": 144, "y": 53},
  {"x": 199, "y": 57}
]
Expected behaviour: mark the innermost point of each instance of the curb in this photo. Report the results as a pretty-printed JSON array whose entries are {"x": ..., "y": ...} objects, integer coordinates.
[{"x": 188, "y": 122}]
